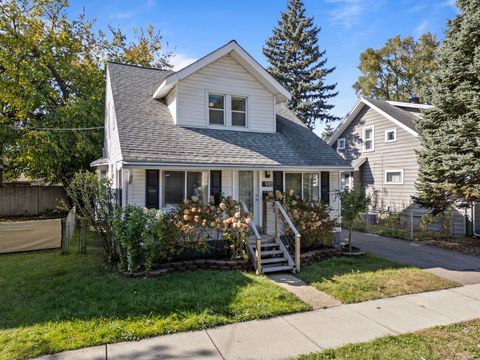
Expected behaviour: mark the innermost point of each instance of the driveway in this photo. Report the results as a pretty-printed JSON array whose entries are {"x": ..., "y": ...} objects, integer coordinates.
[{"x": 464, "y": 269}]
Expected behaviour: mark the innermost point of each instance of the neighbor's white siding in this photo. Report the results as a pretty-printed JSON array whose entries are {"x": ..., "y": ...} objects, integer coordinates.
[
  {"x": 334, "y": 199},
  {"x": 225, "y": 76}
]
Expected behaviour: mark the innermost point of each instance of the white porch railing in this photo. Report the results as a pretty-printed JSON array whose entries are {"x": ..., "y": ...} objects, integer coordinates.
[
  {"x": 282, "y": 224},
  {"x": 257, "y": 256}
]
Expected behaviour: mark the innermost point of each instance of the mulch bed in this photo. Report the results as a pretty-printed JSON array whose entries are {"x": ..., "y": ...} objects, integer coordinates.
[
  {"x": 191, "y": 265},
  {"x": 468, "y": 246}
]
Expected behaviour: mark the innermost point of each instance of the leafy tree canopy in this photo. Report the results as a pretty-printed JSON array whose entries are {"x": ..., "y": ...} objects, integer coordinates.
[
  {"x": 450, "y": 133},
  {"x": 399, "y": 69},
  {"x": 297, "y": 62},
  {"x": 52, "y": 76}
]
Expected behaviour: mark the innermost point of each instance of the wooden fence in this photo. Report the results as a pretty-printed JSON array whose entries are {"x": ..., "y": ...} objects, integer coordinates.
[{"x": 29, "y": 200}]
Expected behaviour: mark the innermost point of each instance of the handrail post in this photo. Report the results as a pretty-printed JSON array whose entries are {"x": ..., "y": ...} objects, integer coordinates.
[
  {"x": 297, "y": 252},
  {"x": 259, "y": 256},
  {"x": 277, "y": 221}
]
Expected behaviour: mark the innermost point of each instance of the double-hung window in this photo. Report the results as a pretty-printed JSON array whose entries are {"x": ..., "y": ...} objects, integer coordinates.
[
  {"x": 239, "y": 111},
  {"x": 368, "y": 139},
  {"x": 341, "y": 144},
  {"x": 216, "y": 109},
  {"x": 394, "y": 177}
]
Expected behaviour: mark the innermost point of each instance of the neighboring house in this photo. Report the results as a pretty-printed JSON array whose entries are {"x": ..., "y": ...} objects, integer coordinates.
[
  {"x": 218, "y": 126},
  {"x": 380, "y": 139}
]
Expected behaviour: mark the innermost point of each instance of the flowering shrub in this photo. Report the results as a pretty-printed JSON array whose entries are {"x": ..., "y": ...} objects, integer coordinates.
[
  {"x": 199, "y": 222},
  {"x": 311, "y": 218}
]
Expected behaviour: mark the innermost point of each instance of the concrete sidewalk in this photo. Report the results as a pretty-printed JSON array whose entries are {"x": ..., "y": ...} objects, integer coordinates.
[
  {"x": 292, "y": 335},
  {"x": 464, "y": 269}
]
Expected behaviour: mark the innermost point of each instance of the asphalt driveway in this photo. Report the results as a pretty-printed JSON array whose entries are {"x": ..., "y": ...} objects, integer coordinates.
[{"x": 464, "y": 269}]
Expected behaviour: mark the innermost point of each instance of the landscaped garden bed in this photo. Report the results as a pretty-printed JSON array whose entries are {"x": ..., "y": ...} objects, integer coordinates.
[{"x": 356, "y": 279}]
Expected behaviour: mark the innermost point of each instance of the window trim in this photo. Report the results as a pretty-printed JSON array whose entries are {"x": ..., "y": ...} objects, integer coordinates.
[
  {"x": 216, "y": 93},
  {"x": 364, "y": 130},
  {"x": 394, "y": 171},
  {"x": 394, "y": 135},
  {"x": 230, "y": 97},
  {"x": 338, "y": 143}
]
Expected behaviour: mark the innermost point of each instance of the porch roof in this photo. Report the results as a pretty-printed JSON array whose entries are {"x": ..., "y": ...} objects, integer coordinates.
[{"x": 148, "y": 134}]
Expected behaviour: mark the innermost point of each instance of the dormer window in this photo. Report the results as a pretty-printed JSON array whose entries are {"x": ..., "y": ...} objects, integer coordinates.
[
  {"x": 239, "y": 111},
  {"x": 216, "y": 109},
  {"x": 341, "y": 144}
]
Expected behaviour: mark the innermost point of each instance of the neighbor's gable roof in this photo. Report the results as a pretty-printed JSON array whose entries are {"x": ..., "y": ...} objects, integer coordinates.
[
  {"x": 148, "y": 134},
  {"x": 389, "y": 109},
  {"x": 238, "y": 53}
]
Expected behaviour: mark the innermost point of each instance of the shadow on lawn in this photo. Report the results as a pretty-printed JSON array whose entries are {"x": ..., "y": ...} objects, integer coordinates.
[{"x": 46, "y": 286}]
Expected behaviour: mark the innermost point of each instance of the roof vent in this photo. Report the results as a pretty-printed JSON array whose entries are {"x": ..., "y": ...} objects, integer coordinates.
[{"x": 414, "y": 99}]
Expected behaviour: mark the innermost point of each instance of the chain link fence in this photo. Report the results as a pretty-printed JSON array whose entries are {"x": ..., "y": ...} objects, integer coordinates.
[{"x": 413, "y": 224}]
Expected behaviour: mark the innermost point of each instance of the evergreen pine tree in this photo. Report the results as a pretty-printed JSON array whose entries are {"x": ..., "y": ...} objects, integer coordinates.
[
  {"x": 327, "y": 132},
  {"x": 450, "y": 133},
  {"x": 298, "y": 64}
]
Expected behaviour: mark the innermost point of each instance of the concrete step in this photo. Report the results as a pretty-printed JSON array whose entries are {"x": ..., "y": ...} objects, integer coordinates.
[
  {"x": 269, "y": 269},
  {"x": 274, "y": 260}
]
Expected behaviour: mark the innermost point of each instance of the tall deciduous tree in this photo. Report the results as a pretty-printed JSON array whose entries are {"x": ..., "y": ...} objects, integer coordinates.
[
  {"x": 450, "y": 133},
  {"x": 399, "y": 69},
  {"x": 52, "y": 77},
  {"x": 297, "y": 62}
]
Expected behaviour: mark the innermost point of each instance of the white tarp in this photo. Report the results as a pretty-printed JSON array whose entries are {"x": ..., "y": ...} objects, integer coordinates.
[{"x": 30, "y": 235}]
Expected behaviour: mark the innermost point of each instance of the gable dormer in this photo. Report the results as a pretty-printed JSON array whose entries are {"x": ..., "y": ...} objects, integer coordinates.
[{"x": 226, "y": 89}]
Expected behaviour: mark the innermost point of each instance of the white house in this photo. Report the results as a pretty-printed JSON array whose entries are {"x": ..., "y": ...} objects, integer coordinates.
[{"x": 219, "y": 125}]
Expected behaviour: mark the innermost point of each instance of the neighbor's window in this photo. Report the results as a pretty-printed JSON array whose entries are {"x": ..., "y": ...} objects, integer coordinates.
[
  {"x": 341, "y": 144},
  {"x": 173, "y": 188},
  {"x": 390, "y": 135},
  {"x": 368, "y": 134},
  {"x": 293, "y": 181},
  {"x": 239, "y": 111},
  {"x": 311, "y": 186},
  {"x": 216, "y": 109},
  {"x": 394, "y": 177}
]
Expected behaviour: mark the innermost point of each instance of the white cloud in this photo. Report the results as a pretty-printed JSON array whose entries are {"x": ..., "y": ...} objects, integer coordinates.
[
  {"x": 179, "y": 61},
  {"x": 420, "y": 29},
  {"x": 121, "y": 15},
  {"x": 348, "y": 12}
]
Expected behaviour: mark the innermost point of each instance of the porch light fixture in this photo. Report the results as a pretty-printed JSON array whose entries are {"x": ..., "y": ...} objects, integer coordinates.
[{"x": 268, "y": 174}]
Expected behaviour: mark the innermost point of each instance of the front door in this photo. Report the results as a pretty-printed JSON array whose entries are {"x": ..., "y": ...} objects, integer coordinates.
[{"x": 246, "y": 189}]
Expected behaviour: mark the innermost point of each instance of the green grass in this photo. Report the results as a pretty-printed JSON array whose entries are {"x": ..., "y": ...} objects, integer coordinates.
[
  {"x": 459, "y": 341},
  {"x": 358, "y": 279},
  {"x": 50, "y": 303}
]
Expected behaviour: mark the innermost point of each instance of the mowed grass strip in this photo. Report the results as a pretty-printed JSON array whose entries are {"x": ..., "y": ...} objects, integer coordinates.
[
  {"x": 50, "y": 303},
  {"x": 458, "y": 341},
  {"x": 356, "y": 279}
]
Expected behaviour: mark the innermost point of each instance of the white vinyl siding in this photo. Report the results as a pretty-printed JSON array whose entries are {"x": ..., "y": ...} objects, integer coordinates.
[
  {"x": 171, "y": 101},
  {"x": 113, "y": 143},
  {"x": 136, "y": 190},
  {"x": 224, "y": 76}
]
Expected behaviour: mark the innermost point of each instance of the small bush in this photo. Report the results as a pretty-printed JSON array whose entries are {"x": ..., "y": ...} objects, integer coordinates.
[{"x": 311, "y": 218}]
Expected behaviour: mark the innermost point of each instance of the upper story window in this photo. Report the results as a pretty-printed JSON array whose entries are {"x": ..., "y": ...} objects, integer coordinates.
[
  {"x": 341, "y": 144},
  {"x": 368, "y": 139},
  {"x": 239, "y": 111},
  {"x": 216, "y": 109},
  {"x": 390, "y": 135}
]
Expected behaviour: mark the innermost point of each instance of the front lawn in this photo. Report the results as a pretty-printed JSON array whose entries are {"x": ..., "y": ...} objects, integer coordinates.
[
  {"x": 50, "y": 303},
  {"x": 356, "y": 279},
  {"x": 458, "y": 341}
]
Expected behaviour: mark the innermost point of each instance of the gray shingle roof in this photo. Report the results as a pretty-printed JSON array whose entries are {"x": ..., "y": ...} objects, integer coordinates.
[
  {"x": 148, "y": 134},
  {"x": 401, "y": 115}
]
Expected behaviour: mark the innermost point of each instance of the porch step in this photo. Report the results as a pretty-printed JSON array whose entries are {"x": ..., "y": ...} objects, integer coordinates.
[
  {"x": 269, "y": 245},
  {"x": 268, "y": 269},
  {"x": 274, "y": 260},
  {"x": 271, "y": 252}
]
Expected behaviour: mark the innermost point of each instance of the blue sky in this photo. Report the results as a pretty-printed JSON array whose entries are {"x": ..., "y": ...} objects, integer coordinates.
[{"x": 193, "y": 28}]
